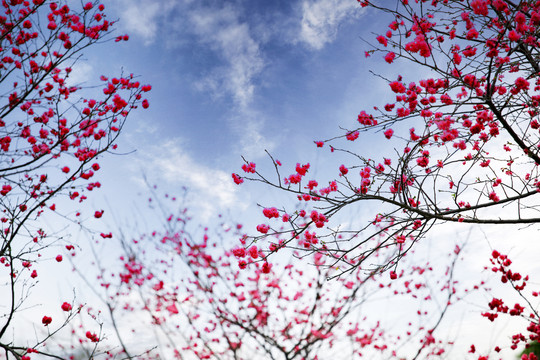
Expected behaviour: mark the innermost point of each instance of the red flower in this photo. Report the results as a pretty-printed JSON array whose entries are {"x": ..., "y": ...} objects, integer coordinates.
[
  {"x": 46, "y": 320},
  {"x": 382, "y": 40},
  {"x": 249, "y": 168},
  {"x": 263, "y": 228},
  {"x": 389, "y": 58},
  {"x": 237, "y": 179},
  {"x": 271, "y": 212},
  {"x": 423, "y": 161},
  {"x": 5, "y": 189},
  {"x": 66, "y": 306},
  {"x": 397, "y": 87},
  {"x": 493, "y": 196},
  {"x": 92, "y": 337},
  {"x": 253, "y": 252},
  {"x": 353, "y": 135},
  {"x": 472, "y": 34},
  {"x": 266, "y": 268},
  {"x": 513, "y": 35},
  {"x": 239, "y": 252},
  {"x": 172, "y": 309},
  {"x": 302, "y": 169},
  {"x": 293, "y": 179}
]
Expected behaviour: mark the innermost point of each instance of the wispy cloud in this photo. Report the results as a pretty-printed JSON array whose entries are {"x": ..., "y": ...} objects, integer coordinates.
[
  {"x": 82, "y": 72},
  {"x": 213, "y": 188},
  {"x": 249, "y": 124},
  {"x": 142, "y": 17},
  {"x": 237, "y": 44},
  {"x": 321, "y": 20},
  {"x": 218, "y": 28},
  {"x": 222, "y": 31}
]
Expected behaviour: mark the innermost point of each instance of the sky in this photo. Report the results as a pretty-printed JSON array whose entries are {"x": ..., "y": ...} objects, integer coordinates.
[
  {"x": 235, "y": 78},
  {"x": 230, "y": 79}
]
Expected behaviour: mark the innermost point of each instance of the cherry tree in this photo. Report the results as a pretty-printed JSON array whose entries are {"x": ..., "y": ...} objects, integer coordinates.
[
  {"x": 461, "y": 131},
  {"x": 521, "y": 303},
  {"x": 178, "y": 287},
  {"x": 52, "y": 133}
]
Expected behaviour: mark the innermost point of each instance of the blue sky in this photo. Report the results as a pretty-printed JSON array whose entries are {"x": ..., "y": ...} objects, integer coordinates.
[{"x": 234, "y": 78}]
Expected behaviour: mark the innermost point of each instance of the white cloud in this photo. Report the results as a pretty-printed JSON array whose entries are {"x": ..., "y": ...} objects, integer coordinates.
[
  {"x": 249, "y": 125},
  {"x": 82, "y": 72},
  {"x": 321, "y": 20},
  {"x": 213, "y": 188},
  {"x": 232, "y": 40},
  {"x": 140, "y": 17},
  {"x": 222, "y": 30}
]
